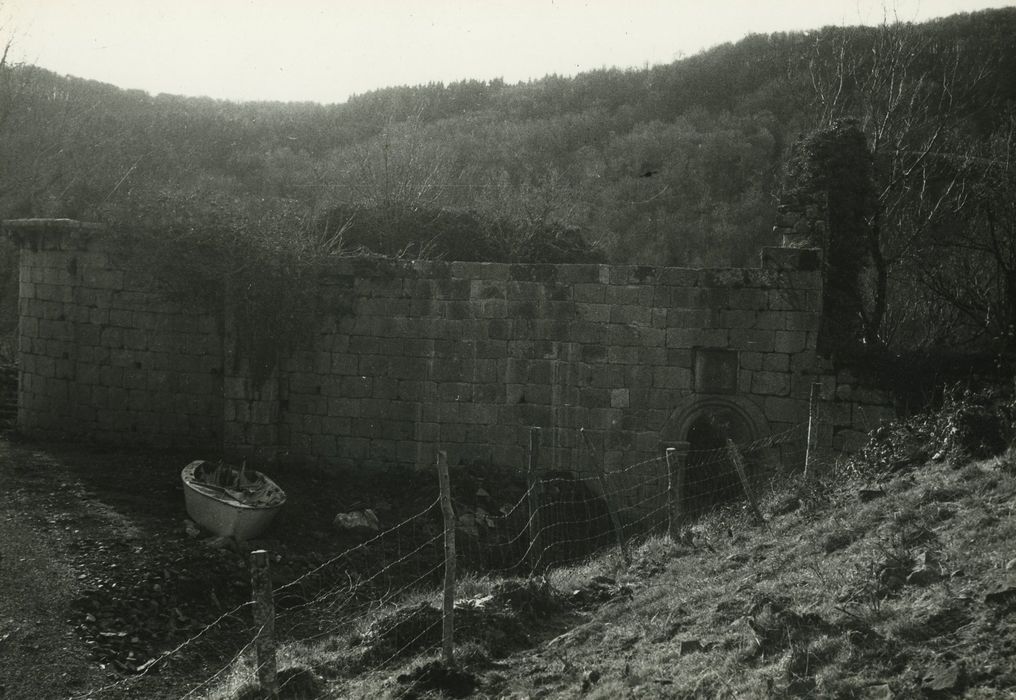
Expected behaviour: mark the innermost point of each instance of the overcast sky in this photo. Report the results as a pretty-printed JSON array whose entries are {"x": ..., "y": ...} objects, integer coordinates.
[{"x": 325, "y": 50}]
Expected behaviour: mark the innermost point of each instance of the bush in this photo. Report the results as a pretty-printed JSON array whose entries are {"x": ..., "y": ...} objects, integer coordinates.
[
  {"x": 969, "y": 425},
  {"x": 452, "y": 234}
]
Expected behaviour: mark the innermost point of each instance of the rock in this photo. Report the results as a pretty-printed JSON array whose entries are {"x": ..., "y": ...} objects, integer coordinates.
[
  {"x": 358, "y": 522},
  {"x": 482, "y": 493},
  {"x": 882, "y": 691},
  {"x": 926, "y": 570},
  {"x": 1001, "y": 593},
  {"x": 943, "y": 677}
]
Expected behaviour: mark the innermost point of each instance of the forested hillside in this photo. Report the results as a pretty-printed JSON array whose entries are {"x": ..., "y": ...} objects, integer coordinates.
[{"x": 673, "y": 164}]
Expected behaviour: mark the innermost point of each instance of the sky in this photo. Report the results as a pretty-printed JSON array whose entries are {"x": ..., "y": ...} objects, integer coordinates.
[{"x": 326, "y": 50}]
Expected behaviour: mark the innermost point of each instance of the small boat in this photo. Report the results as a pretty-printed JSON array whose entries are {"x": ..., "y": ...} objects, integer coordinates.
[{"x": 230, "y": 502}]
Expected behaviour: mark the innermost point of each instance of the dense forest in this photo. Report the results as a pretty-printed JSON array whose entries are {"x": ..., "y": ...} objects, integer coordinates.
[{"x": 678, "y": 164}]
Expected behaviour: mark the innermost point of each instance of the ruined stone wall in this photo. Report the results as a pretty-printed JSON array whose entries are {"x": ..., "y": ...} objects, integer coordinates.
[
  {"x": 103, "y": 358},
  {"x": 467, "y": 356},
  {"x": 403, "y": 358}
]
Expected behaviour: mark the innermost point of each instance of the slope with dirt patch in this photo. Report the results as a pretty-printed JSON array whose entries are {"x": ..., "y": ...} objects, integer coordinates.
[
  {"x": 894, "y": 577},
  {"x": 100, "y": 577}
]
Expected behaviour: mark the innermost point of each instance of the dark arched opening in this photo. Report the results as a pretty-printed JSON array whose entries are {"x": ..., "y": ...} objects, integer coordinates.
[{"x": 711, "y": 478}]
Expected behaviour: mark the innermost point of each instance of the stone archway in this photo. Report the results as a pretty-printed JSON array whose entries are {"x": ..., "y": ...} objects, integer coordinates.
[
  {"x": 739, "y": 415},
  {"x": 706, "y": 423}
]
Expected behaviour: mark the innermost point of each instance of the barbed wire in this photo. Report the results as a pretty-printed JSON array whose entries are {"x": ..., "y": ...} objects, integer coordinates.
[{"x": 559, "y": 519}]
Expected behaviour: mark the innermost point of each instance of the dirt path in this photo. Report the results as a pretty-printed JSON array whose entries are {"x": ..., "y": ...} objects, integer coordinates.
[
  {"x": 40, "y": 653},
  {"x": 76, "y": 538},
  {"x": 99, "y": 575}
]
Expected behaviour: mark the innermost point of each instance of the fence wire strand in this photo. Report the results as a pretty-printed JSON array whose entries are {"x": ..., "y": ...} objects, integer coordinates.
[{"x": 559, "y": 519}]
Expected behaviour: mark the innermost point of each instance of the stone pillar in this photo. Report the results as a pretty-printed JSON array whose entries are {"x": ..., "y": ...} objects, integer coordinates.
[
  {"x": 826, "y": 203},
  {"x": 103, "y": 355},
  {"x": 53, "y": 257}
]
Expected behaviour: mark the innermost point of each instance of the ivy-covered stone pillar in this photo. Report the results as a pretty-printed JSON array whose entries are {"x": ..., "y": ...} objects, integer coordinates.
[{"x": 826, "y": 203}]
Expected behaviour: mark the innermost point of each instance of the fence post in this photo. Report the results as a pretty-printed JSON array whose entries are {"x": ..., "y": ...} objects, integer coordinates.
[
  {"x": 264, "y": 618},
  {"x": 677, "y": 461},
  {"x": 735, "y": 457},
  {"x": 601, "y": 474},
  {"x": 809, "y": 452},
  {"x": 535, "y": 499},
  {"x": 448, "y": 606}
]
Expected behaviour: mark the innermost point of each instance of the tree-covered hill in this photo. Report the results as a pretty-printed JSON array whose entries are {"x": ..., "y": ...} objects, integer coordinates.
[{"x": 676, "y": 164}]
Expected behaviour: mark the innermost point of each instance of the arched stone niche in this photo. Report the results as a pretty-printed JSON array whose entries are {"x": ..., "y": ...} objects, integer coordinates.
[
  {"x": 706, "y": 422},
  {"x": 740, "y": 416}
]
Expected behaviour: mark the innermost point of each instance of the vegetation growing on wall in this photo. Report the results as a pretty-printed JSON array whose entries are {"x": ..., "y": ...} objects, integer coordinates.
[
  {"x": 428, "y": 233},
  {"x": 832, "y": 168},
  {"x": 255, "y": 269}
]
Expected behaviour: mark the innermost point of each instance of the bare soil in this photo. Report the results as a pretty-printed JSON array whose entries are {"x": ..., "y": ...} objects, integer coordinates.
[
  {"x": 100, "y": 576},
  {"x": 898, "y": 582}
]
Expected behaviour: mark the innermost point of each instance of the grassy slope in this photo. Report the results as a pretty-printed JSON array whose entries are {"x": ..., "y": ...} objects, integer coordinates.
[{"x": 817, "y": 604}]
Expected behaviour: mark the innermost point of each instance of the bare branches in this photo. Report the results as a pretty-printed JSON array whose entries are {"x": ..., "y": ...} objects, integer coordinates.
[
  {"x": 972, "y": 265},
  {"x": 910, "y": 94}
]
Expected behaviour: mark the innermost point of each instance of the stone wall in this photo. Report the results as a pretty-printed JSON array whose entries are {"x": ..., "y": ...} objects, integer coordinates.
[
  {"x": 101, "y": 356},
  {"x": 469, "y": 355},
  {"x": 855, "y": 407},
  {"x": 404, "y": 357}
]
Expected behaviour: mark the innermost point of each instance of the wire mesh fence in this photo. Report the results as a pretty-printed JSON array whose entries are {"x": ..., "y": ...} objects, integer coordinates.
[{"x": 379, "y": 593}]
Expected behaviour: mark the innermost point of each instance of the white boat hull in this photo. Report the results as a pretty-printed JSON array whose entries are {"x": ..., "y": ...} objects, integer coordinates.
[{"x": 225, "y": 516}]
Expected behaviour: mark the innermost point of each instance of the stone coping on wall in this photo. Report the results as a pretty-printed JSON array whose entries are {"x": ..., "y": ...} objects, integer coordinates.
[
  {"x": 771, "y": 274},
  {"x": 50, "y": 233}
]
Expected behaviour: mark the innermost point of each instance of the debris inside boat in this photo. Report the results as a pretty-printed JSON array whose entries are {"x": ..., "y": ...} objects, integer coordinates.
[{"x": 230, "y": 501}]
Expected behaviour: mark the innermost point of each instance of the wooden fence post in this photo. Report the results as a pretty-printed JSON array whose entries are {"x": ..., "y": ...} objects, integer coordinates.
[
  {"x": 809, "y": 452},
  {"x": 535, "y": 499},
  {"x": 735, "y": 457},
  {"x": 264, "y": 618},
  {"x": 448, "y": 607},
  {"x": 677, "y": 462},
  {"x": 601, "y": 474}
]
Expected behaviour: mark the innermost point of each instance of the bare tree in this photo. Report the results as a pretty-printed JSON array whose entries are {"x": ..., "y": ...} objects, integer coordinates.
[
  {"x": 523, "y": 214},
  {"x": 401, "y": 171},
  {"x": 6, "y": 42},
  {"x": 14, "y": 79},
  {"x": 972, "y": 261},
  {"x": 908, "y": 94}
]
